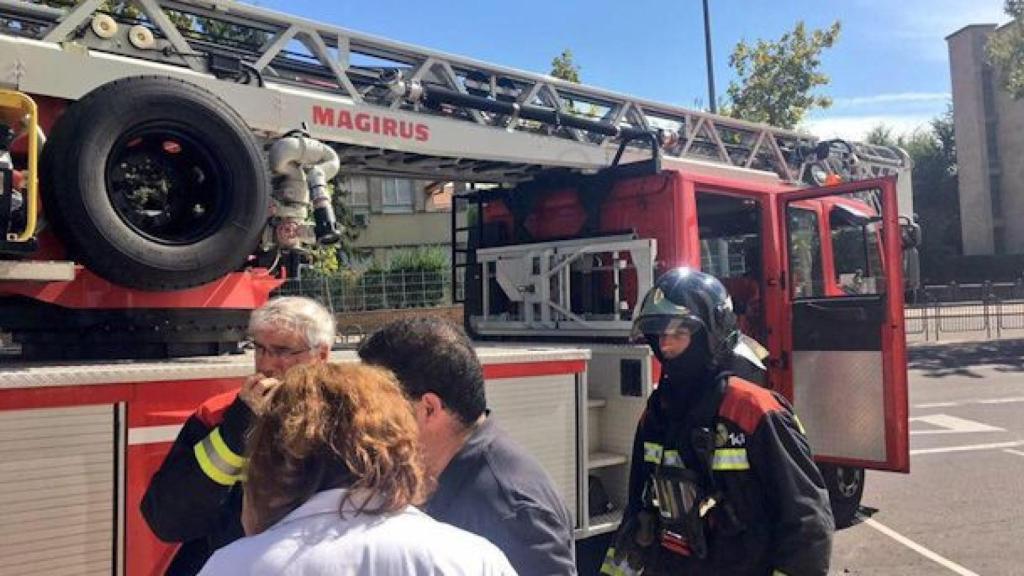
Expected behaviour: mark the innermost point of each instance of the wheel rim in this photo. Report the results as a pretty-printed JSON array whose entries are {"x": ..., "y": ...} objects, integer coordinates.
[
  {"x": 165, "y": 183},
  {"x": 848, "y": 481}
]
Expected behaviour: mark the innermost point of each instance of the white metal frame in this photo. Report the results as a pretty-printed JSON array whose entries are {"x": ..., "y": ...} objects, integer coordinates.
[{"x": 538, "y": 278}]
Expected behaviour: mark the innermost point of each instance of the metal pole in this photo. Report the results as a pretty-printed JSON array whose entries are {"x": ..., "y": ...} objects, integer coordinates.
[{"x": 711, "y": 63}]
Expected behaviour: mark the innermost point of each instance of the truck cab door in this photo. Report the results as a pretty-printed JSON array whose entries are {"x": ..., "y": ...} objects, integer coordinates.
[{"x": 842, "y": 322}]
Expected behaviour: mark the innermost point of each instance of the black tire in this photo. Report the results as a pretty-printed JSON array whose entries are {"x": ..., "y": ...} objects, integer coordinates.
[
  {"x": 155, "y": 184},
  {"x": 845, "y": 488}
]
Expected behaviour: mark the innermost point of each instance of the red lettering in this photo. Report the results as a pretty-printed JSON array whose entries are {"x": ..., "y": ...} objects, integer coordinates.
[
  {"x": 405, "y": 130},
  {"x": 344, "y": 119},
  {"x": 323, "y": 116},
  {"x": 363, "y": 122}
]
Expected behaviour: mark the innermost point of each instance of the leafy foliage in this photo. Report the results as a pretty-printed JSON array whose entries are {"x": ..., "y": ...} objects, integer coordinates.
[
  {"x": 564, "y": 67},
  {"x": 327, "y": 260},
  {"x": 881, "y": 135},
  {"x": 936, "y": 190},
  {"x": 427, "y": 258},
  {"x": 775, "y": 79},
  {"x": 1006, "y": 49}
]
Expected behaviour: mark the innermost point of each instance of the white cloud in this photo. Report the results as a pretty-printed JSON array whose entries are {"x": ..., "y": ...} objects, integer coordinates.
[
  {"x": 893, "y": 98},
  {"x": 856, "y": 127}
]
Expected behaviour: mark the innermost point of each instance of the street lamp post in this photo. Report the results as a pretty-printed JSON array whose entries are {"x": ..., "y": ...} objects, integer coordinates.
[{"x": 710, "y": 59}]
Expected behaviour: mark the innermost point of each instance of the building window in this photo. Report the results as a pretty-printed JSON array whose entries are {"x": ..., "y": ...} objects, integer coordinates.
[
  {"x": 398, "y": 196},
  {"x": 358, "y": 197}
]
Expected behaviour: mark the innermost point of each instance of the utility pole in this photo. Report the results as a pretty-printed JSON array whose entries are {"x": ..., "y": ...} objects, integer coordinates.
[{"x": 711, "y": 63}]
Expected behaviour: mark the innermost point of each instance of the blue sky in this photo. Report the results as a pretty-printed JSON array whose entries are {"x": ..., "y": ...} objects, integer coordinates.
[{"x": 890, "y": 64}]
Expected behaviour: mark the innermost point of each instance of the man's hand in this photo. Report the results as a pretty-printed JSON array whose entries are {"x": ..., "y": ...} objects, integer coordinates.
[{"x": 256, "y": 391}]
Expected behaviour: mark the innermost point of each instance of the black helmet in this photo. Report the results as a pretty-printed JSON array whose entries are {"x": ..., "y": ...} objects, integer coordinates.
[{"x": 686, "y": 298}]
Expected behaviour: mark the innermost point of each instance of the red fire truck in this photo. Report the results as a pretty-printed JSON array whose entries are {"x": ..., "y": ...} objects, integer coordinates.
[{"x": 164, "y": 164}]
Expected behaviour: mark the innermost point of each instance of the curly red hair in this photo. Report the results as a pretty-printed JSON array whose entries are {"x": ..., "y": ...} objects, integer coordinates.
[{"x": 333, "y": 426}]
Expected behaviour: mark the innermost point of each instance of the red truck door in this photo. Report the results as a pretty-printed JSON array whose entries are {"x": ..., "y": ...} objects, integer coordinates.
[{"x": 844, "y": 351}]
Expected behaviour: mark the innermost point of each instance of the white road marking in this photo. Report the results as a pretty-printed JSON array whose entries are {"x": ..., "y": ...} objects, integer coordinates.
[
  {"x": 1007, "y": 400},
  {"x": 947, "y": 424},
  {"x": 967, "y": 448},
  {"x": 1012, "y": 451},
  {"x": 940, "y": 560},
  {"x": 1002, "y": 400}
]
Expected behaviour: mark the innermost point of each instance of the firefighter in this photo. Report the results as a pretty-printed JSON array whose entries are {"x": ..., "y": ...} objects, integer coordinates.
[
  {"x": 195, "y": 498},
  {"x": 721, "y": 480}
]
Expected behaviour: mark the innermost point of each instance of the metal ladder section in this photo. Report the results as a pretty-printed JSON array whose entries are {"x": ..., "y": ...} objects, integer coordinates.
[
  {"x": 551, "y": 288},
  {"x": 268, "y": 49}
]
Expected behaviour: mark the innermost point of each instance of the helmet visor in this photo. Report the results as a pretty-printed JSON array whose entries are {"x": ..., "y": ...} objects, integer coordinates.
[
  {"x": 663, "y": 324},
  {"x": 660, "y": 315}
]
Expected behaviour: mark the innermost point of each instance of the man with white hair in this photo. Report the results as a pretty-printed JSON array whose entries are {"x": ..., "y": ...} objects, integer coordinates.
[{"x": 195, "y": 498}]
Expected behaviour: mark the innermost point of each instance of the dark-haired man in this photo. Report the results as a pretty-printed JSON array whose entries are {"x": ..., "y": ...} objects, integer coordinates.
[{"x": 486, "y": 484}]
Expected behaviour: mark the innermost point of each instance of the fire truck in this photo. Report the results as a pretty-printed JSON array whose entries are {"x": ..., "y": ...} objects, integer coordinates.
[{"x": 164, "y": 164}]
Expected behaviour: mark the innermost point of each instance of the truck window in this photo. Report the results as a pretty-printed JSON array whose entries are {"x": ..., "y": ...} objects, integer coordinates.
[
  {"x": 730, "y": 249},
  {"x": 856, "y": 249},
  {"x": 805, "y": 253}
]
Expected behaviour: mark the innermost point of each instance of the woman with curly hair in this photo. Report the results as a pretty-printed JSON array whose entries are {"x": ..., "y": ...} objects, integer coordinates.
[{"x": 333, "y": 476}]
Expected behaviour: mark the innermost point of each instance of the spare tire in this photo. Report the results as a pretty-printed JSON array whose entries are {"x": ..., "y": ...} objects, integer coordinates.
[{"x": 156, "y": 184}]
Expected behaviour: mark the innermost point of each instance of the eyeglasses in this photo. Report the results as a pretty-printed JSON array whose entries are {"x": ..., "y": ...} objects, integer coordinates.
[{"x": 274, "y": 351}]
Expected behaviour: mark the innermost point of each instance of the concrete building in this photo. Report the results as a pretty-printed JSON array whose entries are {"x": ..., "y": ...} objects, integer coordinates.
[
  {"x": 399, "y": 214},
  {"x": 989, "y": 127}
]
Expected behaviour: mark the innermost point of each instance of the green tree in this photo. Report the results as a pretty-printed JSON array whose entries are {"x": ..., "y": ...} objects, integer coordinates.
[
  {"x": 881, "y": 135},
  {"x": 1006, "y": 49},
  {"x": 936, "y": 191},
  {"x": 775, "y": 79},
  {"x": 238, "y": 35},
  {"x": 327, "y": 260},
  {"x": 564, "y": 67}
]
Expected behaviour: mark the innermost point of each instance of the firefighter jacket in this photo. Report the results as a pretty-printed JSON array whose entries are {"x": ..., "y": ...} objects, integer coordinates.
[
  {"x": 195, "y": 498},
  {"x": 761, "y": 509}
]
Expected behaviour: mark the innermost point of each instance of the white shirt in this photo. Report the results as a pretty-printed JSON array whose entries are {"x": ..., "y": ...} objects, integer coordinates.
[{"x": 314, "y": 540}]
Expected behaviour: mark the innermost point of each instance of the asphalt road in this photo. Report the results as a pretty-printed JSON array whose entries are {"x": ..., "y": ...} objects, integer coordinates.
[{"x": 961, "y": 509}]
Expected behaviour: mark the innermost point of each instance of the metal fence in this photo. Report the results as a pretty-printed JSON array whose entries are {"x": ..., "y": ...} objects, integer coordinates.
[
  {"x": 978, "y": 292},
  {"x": 984, "y": 310},
  {"x": 988, "y": 319},
  {"x": 375, "y": 290}
]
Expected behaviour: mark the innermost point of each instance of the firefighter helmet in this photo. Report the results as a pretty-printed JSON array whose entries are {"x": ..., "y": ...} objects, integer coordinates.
[{"x": 683, "y": 298}]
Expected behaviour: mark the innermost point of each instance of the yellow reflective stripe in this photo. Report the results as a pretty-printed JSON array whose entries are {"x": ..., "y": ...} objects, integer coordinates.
[
  {"x": 673, "y": 459},
  {"x": 608, "y": 566},
  {"x": 800, "y": 427},
  {"x": 223, "y": 451},
  {"x": 612, "y": 568},
  {"x": 209, "y": 468},
  {"x": 779, "y": 573},
  {"x": 730, "y": 459},
  {"x": 652, "y": 452},
  {"x": 217, "y": 461},
  {"x": 609, "y": 569}
]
